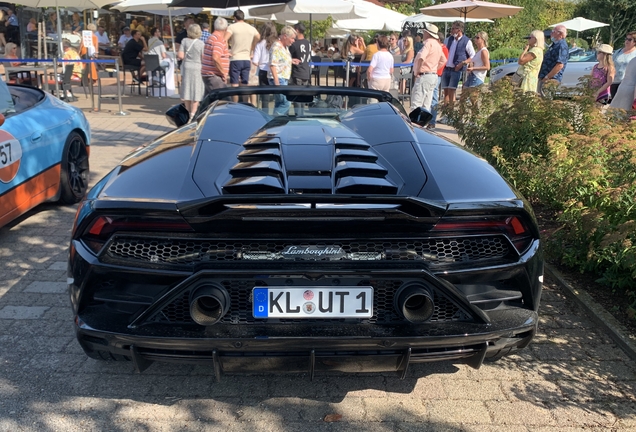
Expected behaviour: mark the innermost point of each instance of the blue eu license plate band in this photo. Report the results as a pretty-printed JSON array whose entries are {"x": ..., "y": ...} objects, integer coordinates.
[{"x": 314, "y": 302}]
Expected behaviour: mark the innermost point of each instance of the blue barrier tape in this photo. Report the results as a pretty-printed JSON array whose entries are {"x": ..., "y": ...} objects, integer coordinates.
[
  {"x": 28, "y": 60},
  {"x": 342, "y": 64}
]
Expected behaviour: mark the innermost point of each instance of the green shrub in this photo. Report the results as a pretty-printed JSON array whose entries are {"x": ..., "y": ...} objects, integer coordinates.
[
  {"x": 568, "y": 156},
  {"x": 505, "y": 53}
]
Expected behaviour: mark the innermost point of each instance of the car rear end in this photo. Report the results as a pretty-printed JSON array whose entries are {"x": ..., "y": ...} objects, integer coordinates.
[{"x": 305, "y": 283}]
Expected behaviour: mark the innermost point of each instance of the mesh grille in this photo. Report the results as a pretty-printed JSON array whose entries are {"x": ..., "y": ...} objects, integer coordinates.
[
  {"x": 193, "y": 251},
  {"x": 240, "y": 311}
]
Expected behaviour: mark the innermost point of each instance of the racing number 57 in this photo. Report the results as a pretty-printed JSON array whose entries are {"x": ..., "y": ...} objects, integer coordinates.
[{"x": 5, "y": 153}]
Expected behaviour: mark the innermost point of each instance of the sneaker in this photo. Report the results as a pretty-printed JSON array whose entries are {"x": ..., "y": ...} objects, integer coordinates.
[
  {"x": 430, "y": 127},
  {"x": 135, "y": 80}
]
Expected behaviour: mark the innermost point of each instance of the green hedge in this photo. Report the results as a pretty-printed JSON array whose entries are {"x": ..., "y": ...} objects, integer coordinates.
[{"x": 569, "y": 156}]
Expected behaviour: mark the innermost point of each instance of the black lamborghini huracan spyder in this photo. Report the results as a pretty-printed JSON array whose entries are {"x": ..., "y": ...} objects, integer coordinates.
[{"x": 304, "y": 229}]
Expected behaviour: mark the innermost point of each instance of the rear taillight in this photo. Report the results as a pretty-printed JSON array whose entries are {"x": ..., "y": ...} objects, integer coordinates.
[
  {"x": 103, "y": 227},
  {"x": 512, "y": 227}
]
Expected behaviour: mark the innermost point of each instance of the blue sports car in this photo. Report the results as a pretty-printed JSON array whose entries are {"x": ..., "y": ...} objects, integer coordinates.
[{"x": 44, "y": 148}]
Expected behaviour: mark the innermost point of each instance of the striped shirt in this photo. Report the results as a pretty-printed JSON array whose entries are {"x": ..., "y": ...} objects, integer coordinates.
[{"x": 215, "y": 45}]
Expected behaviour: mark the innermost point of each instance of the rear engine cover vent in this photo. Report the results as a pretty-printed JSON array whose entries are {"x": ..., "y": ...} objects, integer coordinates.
[
  {"x": 308, "y": 165},
  {"x": 259, "y": 169},
  {"x": 357, "y": 170}
]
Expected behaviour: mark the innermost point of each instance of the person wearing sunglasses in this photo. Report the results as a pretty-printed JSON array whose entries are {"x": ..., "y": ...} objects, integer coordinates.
[
  {"x": 394, "y": 49},
  {"x": 621, "y": 58},
  {"x": 479, "y": 63}
]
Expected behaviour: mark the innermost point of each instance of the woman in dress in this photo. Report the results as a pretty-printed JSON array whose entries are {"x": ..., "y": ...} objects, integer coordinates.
[
  {"x": 621, "y": 58},
  {"x": 603, "y": 73},
  {"x": 190, "y": 51},
  {"x": 479, "y": 64},
  {"x": 626, "y": 93},
  {"x": 380, "y": 71},
  {"x": 530, "y": 61}
]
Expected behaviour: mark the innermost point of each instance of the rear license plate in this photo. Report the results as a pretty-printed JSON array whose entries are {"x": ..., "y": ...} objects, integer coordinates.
[{"x": 314, "y": 302}]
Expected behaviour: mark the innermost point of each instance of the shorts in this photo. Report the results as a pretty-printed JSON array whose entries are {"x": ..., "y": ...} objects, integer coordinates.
[
  {"x": 299, "y": 82},
  {"x": 262, "y": 78},
  {"x": 213, "y": 82},
  {"x": 133, "y": 62},
  {"x": 450, "y": 78},
  {"x": 472, "y": 81},
  {"x": 240, "y": 69}
]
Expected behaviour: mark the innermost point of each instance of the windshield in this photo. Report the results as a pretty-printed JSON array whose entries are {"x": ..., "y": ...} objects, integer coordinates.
[
  {"x": 6, "y": 100},
  {"x": 307, "y": 102},
  {"x": 581, "y": 55}
]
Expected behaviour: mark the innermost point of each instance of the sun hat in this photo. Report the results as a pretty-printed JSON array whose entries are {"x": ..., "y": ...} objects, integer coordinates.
[
  {"x": 431, "y": 29},
  {"x": 605, "y": 48}
]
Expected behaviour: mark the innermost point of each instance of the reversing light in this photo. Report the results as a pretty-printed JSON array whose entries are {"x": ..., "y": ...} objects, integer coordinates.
[
  {"x": 103, "y": 227},
  {"x": 512, "y": 226}
]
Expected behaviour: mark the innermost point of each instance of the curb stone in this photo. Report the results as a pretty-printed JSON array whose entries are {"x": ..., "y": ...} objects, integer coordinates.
[{"x": 596, "y": 313}]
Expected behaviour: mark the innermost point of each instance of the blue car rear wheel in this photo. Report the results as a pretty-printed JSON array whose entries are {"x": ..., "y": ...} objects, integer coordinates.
[{"x": 75, "y": 170}]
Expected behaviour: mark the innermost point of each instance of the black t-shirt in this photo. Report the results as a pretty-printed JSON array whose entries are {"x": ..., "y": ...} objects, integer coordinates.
[
  {"x": 181, "y": 36},
  {"x": 301, "y": 49},
  {"x": 131, "y": 51}
]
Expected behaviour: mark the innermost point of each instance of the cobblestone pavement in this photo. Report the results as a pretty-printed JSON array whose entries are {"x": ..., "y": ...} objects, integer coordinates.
[{"x": 571, "y": 378}]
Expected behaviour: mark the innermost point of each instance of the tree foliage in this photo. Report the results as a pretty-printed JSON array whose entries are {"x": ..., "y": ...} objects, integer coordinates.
[
  {"x": 619, "y": 14},
  {"x": 509, "y": 32}
]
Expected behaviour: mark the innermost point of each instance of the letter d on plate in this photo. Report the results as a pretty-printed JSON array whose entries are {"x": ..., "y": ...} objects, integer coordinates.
[{"x": 260, "y": 302}]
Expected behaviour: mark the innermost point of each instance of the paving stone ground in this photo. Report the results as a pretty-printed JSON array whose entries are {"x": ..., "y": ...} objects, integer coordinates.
[{"x": 572, "y": 378}]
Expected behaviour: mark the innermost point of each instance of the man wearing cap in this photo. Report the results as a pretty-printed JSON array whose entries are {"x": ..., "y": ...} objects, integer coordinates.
[
  {"x": 460, "y": 49},
  {"x": 243, "y": 38},
  {"x": 124, "y": 38},
  {"x": 555, "y": 58},
  {"x": 430, "y": 58}
]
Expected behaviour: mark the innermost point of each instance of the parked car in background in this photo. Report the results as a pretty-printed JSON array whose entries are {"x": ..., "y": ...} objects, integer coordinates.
[
  {"x": 333, "y": 234},
  {"x": 44, "y": 147},
  {"x": 580, "y": 64}
]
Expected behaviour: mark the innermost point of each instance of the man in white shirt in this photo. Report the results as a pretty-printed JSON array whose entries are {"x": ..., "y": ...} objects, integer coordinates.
[
  {"x": 242, "y": 38},
  {"x": 123, "y": 40},
  {"x": 103, "y": 41}
]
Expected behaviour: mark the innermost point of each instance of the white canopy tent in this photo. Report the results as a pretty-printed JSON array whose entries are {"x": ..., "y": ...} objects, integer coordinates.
[
  {"x": 313, "y": 10},
  {"x": 377, "y": 18},
  {"x": 464, "y": 9},
  {"x": 580, "y": 24}
]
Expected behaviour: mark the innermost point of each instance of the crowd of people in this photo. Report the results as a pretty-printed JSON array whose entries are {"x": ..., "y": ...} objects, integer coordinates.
[{"x": 238, "y": 54}]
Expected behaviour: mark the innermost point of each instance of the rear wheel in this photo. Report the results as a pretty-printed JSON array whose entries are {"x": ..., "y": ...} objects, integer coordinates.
[{"x": 75, "y": 170}]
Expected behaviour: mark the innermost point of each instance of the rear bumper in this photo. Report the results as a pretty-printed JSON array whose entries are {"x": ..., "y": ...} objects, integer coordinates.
[{"x": 314, "y": 355}]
